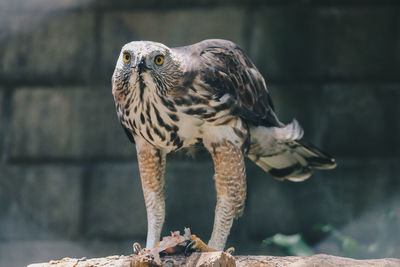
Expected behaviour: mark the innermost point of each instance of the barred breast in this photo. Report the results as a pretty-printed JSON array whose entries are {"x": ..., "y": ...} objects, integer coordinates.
[{"x": 171, "y": 123}]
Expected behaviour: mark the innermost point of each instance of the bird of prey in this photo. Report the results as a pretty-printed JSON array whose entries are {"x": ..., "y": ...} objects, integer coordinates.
[{"x": 210, "y": 94}]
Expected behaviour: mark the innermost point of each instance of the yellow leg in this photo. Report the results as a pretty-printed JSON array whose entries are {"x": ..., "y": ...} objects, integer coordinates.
[{"x": 200, "y": 246}]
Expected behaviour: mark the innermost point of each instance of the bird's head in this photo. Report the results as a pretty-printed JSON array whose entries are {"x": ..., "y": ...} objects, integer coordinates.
[{"x": 144, "y": 68}]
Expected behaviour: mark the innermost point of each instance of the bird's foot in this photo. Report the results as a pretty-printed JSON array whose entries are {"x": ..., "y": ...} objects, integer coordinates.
[
  {"x": 173, "y": 244},
  {"x": 198, "y": 245},
  {"x": 137, "y": 248}
]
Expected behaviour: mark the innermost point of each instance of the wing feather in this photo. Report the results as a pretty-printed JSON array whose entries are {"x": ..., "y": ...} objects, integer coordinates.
[
  {"x": 279, "y": 149},
  {"x": 226, "y": 69}
]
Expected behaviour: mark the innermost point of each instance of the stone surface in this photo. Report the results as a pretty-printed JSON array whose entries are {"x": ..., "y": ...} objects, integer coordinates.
[
  {"x": 115, "y": 204},
  {"x": 171, "y": 27},
  {"x": 1, "y": 103},
  {"x": 299, "y": 43},
  {"x": 24, "y": 252},
  {"x": 396, "y": 43},
  {"x": 315, "y": 260},
  {"x": 111, "y": 261},
  {"x": 72, "y": 123},
  {"x": 154, "y": 4},
  {"x": 211, "y": 259},
  {"x": 395, "y": 123},
  {"x": 40, "y": 202},
  {"x": 48, "y": 47},
  {"x": 267, "y": 205},
  {"x": 336, "y": 116},
  {"x": 39, "y": 5},
  {"x": 332, "y": 64},
  {"x": 360, "y": 120},
  {"x": 249, "y": 4},
  {"x": 2, "y": 126}
]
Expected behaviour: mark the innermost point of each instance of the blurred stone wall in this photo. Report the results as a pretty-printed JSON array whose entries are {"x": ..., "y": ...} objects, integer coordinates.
[{"x": 69, "y": 180}]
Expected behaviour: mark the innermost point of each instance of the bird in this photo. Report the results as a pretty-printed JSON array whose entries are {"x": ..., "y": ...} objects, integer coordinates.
[{"x": 208, "y": 94}]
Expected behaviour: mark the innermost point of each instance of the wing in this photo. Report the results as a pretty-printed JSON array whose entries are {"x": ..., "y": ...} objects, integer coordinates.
[{"x": 226, "y": 69}]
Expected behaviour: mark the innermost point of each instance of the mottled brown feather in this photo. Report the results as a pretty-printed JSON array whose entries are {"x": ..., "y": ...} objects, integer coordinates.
[{"x": 226, "y": 69}]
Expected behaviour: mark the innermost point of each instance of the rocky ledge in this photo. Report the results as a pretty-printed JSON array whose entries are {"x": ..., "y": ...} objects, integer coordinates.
[{"x": 212, "y": 259}]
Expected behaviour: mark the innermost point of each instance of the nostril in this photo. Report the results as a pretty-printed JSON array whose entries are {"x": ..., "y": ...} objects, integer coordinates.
[{"x": 141, "y": 65}]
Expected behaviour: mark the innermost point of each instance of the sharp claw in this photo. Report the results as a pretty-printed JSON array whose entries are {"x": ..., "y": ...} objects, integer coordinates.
[
  {"x": 136, "y": 248},
  {"x": 169, "y": 263},
  {"x": 163, "y": 253},
  {"x": 189, "y": 247},
  {"x": 199, "y": 245},
  {"x": 230, "y": 250}
]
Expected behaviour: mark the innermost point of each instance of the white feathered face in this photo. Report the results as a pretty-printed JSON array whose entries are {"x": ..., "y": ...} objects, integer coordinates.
[{"x": 144, "y": 68}]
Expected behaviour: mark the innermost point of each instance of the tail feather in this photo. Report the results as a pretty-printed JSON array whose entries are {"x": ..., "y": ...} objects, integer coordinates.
[
  {"x": 285, "y": 154},
  {"x": 315, "y": 157}
]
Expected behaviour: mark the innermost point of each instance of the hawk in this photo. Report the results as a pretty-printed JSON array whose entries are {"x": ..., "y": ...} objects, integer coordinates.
[{"x": 210, "y": 94}]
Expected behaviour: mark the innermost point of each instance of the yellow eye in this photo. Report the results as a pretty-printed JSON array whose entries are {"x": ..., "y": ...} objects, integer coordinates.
[
  {"x": 159, "y": 60},
  {"x": 127, "y": 57}
]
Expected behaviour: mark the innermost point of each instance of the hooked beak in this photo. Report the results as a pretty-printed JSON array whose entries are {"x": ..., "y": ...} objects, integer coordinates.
[{"x": 141, "y": 64}]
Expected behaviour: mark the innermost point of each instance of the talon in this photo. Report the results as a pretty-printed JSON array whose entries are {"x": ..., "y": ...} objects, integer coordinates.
[
  {"x": 230, "y": 250},
  {"x": 136, "y": 248},
  {"x": 199, "y": 245},
  {"x": 169, "y": 263},
  {"x": 189, "y": 247}
]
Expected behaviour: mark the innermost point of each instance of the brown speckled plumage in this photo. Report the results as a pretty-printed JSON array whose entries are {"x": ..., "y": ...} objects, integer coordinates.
[
  {"x": 211, "y": 94},
  {"x": 230, "y": 183}
]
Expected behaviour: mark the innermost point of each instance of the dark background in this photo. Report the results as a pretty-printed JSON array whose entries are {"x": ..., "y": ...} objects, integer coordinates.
[{"x": 69, "y": 181}]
